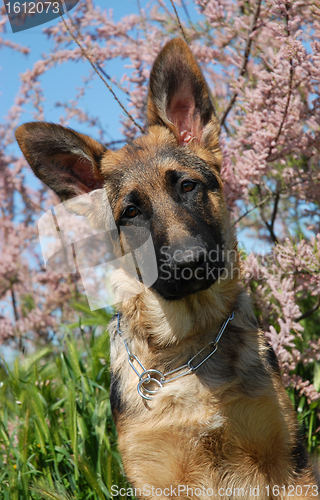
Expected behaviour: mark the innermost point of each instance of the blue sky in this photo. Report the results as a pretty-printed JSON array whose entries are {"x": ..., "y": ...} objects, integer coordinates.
[{"x": 60, "y": 82}]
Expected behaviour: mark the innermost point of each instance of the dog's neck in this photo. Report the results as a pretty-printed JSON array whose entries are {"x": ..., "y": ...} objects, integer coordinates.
[{"x": 165, "y": 322}]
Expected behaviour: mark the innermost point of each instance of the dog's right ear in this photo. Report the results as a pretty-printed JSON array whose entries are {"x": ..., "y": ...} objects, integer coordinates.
[
  {"x": 179, "y": 98},
  {"x": 68, "y": 162}
]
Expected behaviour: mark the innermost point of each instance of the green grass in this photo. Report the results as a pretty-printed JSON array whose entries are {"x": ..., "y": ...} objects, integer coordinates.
[{"x": 57, "y": 436}]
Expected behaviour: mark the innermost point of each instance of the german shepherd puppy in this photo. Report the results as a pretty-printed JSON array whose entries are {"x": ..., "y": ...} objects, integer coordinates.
[{"x": 221, "y": 425}]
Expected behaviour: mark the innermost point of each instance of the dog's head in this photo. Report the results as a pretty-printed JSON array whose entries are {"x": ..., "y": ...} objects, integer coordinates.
[{"x": 166, "y": 181}]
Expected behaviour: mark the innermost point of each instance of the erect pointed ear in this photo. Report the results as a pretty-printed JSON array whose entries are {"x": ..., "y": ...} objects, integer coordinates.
[
  {"x": 179, "y": 97},
  {"x": 68, "y": 162}
]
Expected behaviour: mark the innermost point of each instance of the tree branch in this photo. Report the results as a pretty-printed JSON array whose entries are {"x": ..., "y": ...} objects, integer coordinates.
[
  {"x": 269, "y": 157},
  {"x": 14, "y": 304},
  {"x": 245, "y": 59},
  {"x": 100, "y": 76},
  {"x": 273, "y": 218},
  {"x": 179, "y": 22},
  {"x": 186, "y": 10},
  {"x": 109, "y": 78},
  {"x": 262, "y": 202},
  {"x": 272, "y": 195},
  {"x": 310, "y": 312}
]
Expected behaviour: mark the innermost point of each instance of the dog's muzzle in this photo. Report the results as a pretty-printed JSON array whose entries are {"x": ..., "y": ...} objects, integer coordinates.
[{"x": 183, "y": 271}]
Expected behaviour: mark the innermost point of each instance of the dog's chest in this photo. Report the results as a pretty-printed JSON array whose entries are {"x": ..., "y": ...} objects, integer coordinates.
[{"x": 187, "y": 401}]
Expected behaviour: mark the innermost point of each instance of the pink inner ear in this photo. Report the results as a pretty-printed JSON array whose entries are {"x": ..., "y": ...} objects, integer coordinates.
[
  {"x": 183, "y": 114},
  {"x": 84, "y": 172}
]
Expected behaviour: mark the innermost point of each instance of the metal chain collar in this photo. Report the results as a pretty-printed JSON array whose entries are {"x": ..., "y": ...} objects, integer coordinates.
[{"x": 156, "y": 379}]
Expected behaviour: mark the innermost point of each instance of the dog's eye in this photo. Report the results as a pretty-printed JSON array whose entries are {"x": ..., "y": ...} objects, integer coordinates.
[
  {"x": 187, "y": 186},
  {"x": 131, "y": 212}
]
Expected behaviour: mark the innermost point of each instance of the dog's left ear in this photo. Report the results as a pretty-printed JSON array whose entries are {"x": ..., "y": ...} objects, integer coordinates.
[{"x": 179, "y": 97}]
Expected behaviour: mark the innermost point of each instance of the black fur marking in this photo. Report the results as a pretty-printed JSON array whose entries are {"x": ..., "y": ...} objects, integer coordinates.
[
  {"x": 273, "y": 360},
  {"x": 191, "y": 161},
  {"x": 117, "y": 404},
  {"x": 299, "y": 455}
]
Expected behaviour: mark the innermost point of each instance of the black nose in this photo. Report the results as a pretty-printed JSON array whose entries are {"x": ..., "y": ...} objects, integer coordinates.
[
  {"x": 191, "y": 257},
  {"x": 187, "y": 268}
]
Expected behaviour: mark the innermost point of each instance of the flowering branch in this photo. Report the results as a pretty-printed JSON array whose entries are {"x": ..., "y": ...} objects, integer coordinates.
[
  {"x": 246, "y": 55},
  {"x": 100, "y": 76},
  {"x": 179, "y": 22},
  {"x": 284, "y": 116}
]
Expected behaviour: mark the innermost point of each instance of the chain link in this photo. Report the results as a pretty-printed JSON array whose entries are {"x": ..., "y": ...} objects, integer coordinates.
[{"x": 156, "y": 379}]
